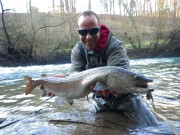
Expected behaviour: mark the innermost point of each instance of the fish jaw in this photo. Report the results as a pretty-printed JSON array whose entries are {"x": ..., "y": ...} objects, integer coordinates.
[
  {"x": 141, "y": 81},
  {"x": 139, "y": 90},
  {"x": 142, "y": 84}
]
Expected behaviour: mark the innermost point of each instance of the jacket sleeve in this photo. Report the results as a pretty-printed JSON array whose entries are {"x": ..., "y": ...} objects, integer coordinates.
[
  {"x": 117, "y": 54},
  {"x": 77, "y": 63}
]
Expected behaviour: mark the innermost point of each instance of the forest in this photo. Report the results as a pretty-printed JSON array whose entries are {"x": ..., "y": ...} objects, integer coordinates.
[{"x": 147, "y": 29}]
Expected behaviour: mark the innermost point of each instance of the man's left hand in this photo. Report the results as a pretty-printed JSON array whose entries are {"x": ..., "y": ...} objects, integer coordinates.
[{"x": 44, "y": 92}]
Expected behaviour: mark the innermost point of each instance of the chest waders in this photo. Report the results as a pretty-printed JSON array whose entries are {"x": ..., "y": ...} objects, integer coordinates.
[{"x": 132, "y": 105}]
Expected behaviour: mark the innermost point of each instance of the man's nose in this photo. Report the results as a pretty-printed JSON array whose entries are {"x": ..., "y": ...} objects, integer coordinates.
[{"x": 89, "y": 36}]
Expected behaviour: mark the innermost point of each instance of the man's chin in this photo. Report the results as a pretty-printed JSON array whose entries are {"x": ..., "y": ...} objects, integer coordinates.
[{"x": 90, "y": 48}]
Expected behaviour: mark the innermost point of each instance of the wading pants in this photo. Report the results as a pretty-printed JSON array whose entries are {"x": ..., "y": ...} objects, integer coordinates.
[{"x": 132, "y": 105}]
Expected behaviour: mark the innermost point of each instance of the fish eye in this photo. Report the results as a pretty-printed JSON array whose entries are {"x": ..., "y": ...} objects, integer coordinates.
[{"x": 137, "y": 77}]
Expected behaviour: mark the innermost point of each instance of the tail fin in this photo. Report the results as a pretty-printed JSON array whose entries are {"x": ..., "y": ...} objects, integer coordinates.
[{"x": 29, "y": 84}]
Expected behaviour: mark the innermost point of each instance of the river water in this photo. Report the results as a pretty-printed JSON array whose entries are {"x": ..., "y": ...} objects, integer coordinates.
[{"x": 34, "y": 115}]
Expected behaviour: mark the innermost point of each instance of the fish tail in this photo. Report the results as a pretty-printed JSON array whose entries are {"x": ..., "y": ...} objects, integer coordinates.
[{"x": 29, "y": 84}]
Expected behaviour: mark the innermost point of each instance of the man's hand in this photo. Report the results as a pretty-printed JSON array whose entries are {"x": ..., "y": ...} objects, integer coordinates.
[
  {"x": 44, "y": 92},
  {"x": 104, "y": 92},
  {"x": 101, "y": 90}
]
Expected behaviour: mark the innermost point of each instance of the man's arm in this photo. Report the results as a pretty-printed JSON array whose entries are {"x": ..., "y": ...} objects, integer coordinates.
[
  {"x": 117, "y": 55},
  {"x": 77, "y": 63}
]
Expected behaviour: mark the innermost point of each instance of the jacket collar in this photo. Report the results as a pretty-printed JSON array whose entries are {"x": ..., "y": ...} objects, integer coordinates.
[{"x": 104, "y": 37}]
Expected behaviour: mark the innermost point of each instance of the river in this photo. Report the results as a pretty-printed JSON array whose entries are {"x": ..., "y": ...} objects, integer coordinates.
[{"x": 33, "y": 114}]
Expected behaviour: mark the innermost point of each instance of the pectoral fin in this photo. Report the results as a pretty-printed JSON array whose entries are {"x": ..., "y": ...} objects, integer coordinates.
[
  {"x": 70, "y": 101},
  {"x": 59, "y": 101},
  {"x": 100, "y": 86}
]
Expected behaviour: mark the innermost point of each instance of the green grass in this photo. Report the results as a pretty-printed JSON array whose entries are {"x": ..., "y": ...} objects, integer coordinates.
[{"x": 145, "y": 44}]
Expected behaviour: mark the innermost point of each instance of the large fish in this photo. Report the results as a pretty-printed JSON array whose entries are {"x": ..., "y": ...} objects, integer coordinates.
[{"x": 115, "y": 79}]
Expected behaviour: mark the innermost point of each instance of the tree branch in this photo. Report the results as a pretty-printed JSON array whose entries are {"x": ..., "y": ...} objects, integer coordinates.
[
  {"x": 57, "y": 24},
  {"x": 4, "y": 25}
]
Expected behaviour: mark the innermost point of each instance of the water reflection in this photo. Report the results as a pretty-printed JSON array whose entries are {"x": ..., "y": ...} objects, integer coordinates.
[{"x": 34, "y": 112}]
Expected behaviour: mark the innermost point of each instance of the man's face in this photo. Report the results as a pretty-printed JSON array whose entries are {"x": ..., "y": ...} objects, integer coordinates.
[{"x": 88, "y": 28}]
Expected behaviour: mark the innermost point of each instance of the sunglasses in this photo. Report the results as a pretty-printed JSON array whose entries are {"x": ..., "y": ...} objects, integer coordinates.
[{"x": 92, "y": 31}]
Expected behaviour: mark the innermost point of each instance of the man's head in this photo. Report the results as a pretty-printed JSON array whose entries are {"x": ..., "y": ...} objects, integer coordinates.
[{"x": 89, "y": 29}]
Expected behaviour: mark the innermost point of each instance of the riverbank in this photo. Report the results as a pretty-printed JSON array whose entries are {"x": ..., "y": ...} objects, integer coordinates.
[
  {"x": 36, "y": 42},
  {"x": 143, "y": 53}
]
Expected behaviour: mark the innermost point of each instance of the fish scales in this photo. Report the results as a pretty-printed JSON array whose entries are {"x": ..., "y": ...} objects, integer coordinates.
[{"x": 77, "y": 85}]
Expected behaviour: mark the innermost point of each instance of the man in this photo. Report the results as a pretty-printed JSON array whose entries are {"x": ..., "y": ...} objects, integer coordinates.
[{"x": 99, "y": 47}]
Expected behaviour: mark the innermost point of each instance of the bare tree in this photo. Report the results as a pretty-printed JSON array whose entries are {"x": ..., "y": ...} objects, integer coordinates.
[
  {"x": 119, "y": 5},
  {"x": 144, "y": 8},
  {"x": 61, "y": 6},
  {"x": 175, "y": 8},
  {"x": 32, "y": 26},
  {"x": 89, "y": 5},
  {"x": 150, "y": 7},
  {"x": 110, "y": 6},
  {"x": 134, "y": 25},
  {"x": 105, "y": 4},
  {"x": 67, "y": 6},
  {"x": 155, "y": 7},
  {"x": 113, "y": 3},
  {"x": 53, "y": 5},
  {"x": 101, "y": 1},
  {"x": 7, "y": 37},
  {"x": 133, "y": 7},
  {"x": 12, "y": 36},
  {"x": 74, "y": 6}
]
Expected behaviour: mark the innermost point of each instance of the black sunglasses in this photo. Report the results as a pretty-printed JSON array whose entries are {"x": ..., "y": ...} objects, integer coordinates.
[{"x": 84, "y": 32}]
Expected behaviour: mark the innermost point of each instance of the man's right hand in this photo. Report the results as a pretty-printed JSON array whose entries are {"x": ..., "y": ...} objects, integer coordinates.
[
  {"x": 100, "y": 93},
  {"x": 44, "y": 92},
  {"x": 103, "y": 91}
]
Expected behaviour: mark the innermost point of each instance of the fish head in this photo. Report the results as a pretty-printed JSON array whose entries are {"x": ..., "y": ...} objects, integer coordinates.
[
  {"x": 127, "y": 81},
  {"x": 141, "y": 81}
]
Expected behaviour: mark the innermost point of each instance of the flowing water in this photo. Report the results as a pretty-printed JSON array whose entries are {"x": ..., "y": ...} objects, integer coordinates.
[{"x": 34, "y": 115}]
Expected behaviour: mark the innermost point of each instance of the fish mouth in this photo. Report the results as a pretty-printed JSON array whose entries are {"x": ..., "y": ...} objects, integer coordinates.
[
  {"x": 142, "y": 85},
  {"x": 145, "y": 86},
  {"x": 143, "y": 82}
]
